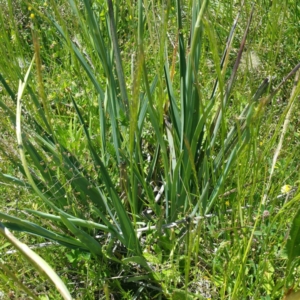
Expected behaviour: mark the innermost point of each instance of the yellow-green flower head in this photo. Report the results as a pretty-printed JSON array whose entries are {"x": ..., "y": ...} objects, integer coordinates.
[{"x": 286, "y": 189}]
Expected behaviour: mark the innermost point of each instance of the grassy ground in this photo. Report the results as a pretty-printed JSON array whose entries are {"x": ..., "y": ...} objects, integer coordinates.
[{"x": 144, "y": 187}]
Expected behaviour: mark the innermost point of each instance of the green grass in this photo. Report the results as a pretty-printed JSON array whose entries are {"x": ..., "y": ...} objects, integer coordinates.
[{"x": 152, "y": 148}]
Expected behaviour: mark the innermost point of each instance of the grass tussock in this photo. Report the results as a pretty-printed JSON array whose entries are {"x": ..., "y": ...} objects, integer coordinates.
[{"x": 149, "y": 150}]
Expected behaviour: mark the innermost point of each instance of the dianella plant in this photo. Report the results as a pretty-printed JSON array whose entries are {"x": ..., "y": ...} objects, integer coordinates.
[{"x": 126, "y": 152}]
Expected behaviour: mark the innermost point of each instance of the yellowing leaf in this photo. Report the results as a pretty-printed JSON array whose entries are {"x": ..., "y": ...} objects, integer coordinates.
[{"x": 292, "y": 295}]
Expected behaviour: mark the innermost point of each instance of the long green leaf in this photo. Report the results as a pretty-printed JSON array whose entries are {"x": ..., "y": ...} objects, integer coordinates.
[
  {"x": 42, "y": 266},
  {"x": 293, "y": 242},
  {"x": 128, "y": 232},
  {"x": 119, "y": 67},
  {"x": 90, "y": 243},
  {"x": 32, "y": 228}
]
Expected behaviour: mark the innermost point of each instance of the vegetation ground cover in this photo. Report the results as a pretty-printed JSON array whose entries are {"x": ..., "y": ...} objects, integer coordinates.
[{"x": 154, "y": 145}]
